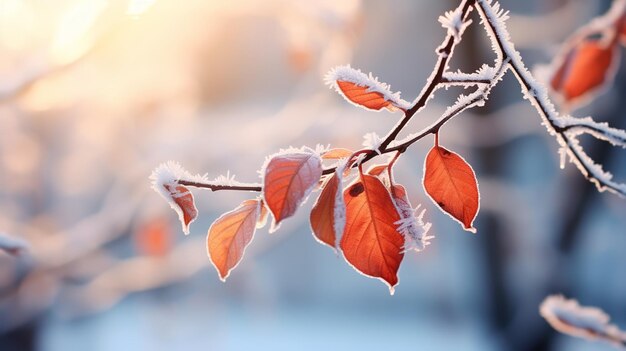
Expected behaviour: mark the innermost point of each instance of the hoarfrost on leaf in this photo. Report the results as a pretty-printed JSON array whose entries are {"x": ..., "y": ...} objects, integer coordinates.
[
  {"x": 358, "y": 78},
  {"x": 165, "y": 181},
  {"x": 340, "y": 205},
  {"x": 411, "y": 224},
  {"x": 289, "y": 177},
  {"x": 171, "y": 172}
]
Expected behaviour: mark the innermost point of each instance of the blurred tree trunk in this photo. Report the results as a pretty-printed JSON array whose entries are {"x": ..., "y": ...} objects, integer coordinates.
[{"x": 23, "y": 338}]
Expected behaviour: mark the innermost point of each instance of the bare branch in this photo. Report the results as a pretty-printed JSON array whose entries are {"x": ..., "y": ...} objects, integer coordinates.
[{"x": 477, "y": 98}]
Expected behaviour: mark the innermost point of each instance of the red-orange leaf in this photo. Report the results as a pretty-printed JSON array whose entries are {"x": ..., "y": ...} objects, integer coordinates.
[
  {"x": 338, "y": 153},
  {"x": 451, "y": 184},
  {"x": 230, "y": 234},
  {"x": 381, "y": 172},
  {"x": 588, "y": 66},
  {"x": 289, "y": 179},
  {"x": 153, "y": 238},
  {"x": 181, "y": 200},
  {"x": 328, "y": 213},
  {"x": 361, "y": 95},
  {"x": 364, "y": 90},
  {"x": 370, "y": 242},
  {"x": 377, "y": 170}
]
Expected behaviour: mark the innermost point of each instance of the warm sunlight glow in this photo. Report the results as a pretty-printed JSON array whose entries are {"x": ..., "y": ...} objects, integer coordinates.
[
  {"x": 138, "y": 7},
  {"x": 74, "y": 33}
]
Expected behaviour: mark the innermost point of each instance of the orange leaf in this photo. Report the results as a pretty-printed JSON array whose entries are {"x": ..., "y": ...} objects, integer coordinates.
[
  {"x": 451, "y": 184},
  {"x": 370, "y": 242},
  {"x": 588, "y": 66},
  {"x": 400, "y": 198},
  {"x": 381, "y": 172},
  {"x": 153, "y": 238},
  {"x": 361, "y": 95},
  {"x": 230, "y": 234},
  {"x": 328, "y": 213},
  {"x": 377, "y": 170},
  {"x": 289, "y": 179},
  {"x": 181, "y": 200},
  {"x": 364, "y": 90},
  {"x": 336, "y": 154}
]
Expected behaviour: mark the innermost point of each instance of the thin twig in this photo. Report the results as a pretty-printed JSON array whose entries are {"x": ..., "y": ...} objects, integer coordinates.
[
  {"x": 217, "y": 187},
  {"x": 463, "y": 82},
  {"x": 476, "y": 99},
  {"x": 444, "y": 52}
]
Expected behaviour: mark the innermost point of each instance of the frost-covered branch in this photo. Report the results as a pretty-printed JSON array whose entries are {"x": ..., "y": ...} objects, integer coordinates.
[
  {"x": 591, "y": 323},
  {"x": 337, "y": 218},
  {"x": 468, "y": 82},
  {"x": 565, "y": 129},
  {"x": 445, "y": 52},
  {"x": 463, "y": 103},
  {"x": 440, "y": 77},
  {"x": 221, "y": 186},
  {"x": 493, "y": 18},
  {"x": 577, "y": 126},
  {"x": 171, "y": 172}
]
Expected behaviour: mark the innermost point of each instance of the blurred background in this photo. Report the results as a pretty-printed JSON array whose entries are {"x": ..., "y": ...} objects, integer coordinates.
[{"x": 94, "y": 94}]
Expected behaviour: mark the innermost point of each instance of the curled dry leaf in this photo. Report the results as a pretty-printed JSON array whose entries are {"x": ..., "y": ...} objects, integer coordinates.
[
  {"x": 591, "y": 323},
  {"x": 328, "y": 216},
  {"x": 289, "y": 179},
  {"x": 153, "y": 238},
  {"x": 587, "y": 67},
  {"x": 230, "y": 234},
  {"x": 181, "y": 200},
  {"x": 451, "y": 184},
  {"x": 370, "y": 242}
]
